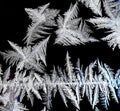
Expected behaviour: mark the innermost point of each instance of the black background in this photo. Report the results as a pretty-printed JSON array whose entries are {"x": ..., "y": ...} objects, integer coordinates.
[
  {"x": 15, "y": 21},
  {"x": 14, "y": 25}
]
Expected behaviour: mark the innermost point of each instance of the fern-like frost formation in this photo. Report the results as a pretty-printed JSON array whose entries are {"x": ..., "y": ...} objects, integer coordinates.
[{"x": 97, "y": 82}]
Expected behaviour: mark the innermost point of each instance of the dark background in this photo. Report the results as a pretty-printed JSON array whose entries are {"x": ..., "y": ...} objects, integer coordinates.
[
  {"x": 14, "y": 18},
  {"x": 14, "y": 25},
  {"x": 15, "y": 21}
]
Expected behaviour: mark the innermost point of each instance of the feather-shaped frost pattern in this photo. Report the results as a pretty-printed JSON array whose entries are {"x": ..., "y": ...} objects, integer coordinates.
[
  {"x": 96, "y": 96},
  {"x": 19, "y": 107},
  {"x": 72, "y": 30},
  {"x": 64, "y": 32},
  {"x": 39, "y": 50},
  {"x": 6, "y": 75},
  {"x": 29, "y": 75},
  {"x": 111, "y": 8},
  {"x": 38, "y": 17},
  {"x": 113, "y": 24},
  {"x": 94, "y": 5},
  {"x": 31, "y": 89},
  {"x": 113, "y": 38},
  {"x": 17, "y": 48},
  {"x": 42, "y": 21},
  {"x": 67, "y": 92},
  {"x": 23, "y": 57},
  {"x": 104, "y": 101},
  {"x": 97, "y": 88},
  {"x": 10, "y": 103},
  {"x": 69, "y": 67},
  {"x": 15, "y": 56}
]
